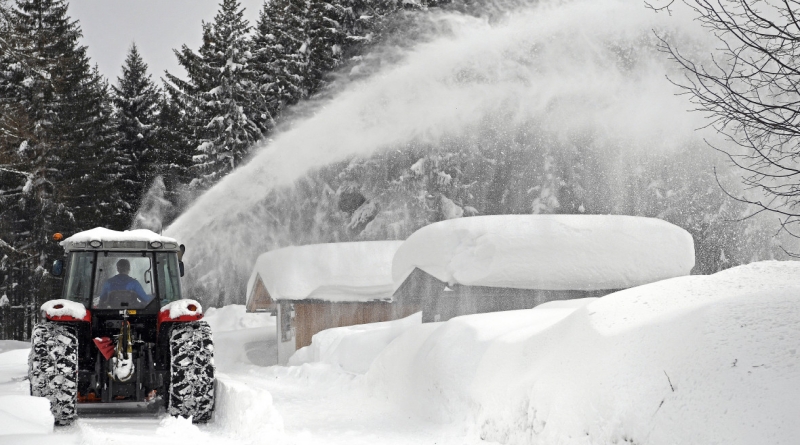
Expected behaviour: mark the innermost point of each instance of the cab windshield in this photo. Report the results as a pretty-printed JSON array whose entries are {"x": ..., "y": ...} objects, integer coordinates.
[{"x": 122, "y": 280}]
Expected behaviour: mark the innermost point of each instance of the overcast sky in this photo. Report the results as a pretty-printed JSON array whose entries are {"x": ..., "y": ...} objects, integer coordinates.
[{"x": 157, "y": 26}]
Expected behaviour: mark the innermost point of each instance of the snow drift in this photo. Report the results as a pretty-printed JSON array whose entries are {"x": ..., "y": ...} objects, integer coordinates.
[
  {"x": 353, "y": 348},
  {"x": 25, "y": 415},
  {"x": 697, "y": 359},
  {"x": 241, "y": 339},
  {"x": 554, "y": 252},
  {"x": 245, "y": 411}
]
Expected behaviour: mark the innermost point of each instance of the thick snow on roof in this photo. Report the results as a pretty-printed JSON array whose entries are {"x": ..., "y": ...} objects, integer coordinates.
[
  {"x": 555, "y": 252},
  {"x": 103, "y": 234},
  {"x": 357, "y": 271}
]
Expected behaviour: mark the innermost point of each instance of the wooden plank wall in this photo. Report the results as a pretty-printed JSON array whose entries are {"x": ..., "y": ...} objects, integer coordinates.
[
  {"x": 313, "y": 317},
  {"x": 259, "y": 299}
]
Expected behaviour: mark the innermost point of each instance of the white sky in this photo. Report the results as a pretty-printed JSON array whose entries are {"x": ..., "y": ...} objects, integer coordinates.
[{"x": 157, "y": 26}]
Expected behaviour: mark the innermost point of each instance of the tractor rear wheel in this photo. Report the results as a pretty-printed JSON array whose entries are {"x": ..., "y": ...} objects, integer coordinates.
[
  {"x": 53, "y": 369},
  {"x": 191, "y": 388}
]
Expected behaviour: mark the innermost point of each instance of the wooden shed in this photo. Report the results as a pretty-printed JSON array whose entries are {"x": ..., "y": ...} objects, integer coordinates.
[
  {"x": 258, "y": 297},
  {"x": 322, "y": 286},
  {"x": 440, "y": 301},
  {"x": 505, "y": 262}
]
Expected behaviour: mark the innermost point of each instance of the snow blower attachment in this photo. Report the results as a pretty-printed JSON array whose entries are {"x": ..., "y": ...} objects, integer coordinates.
[{"x": 121, "y": 334}]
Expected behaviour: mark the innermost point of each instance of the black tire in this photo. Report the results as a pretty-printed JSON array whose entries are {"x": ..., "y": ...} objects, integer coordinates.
[
  {"x": 191, "y": 388},
  {"x": 53, "y": 369}
]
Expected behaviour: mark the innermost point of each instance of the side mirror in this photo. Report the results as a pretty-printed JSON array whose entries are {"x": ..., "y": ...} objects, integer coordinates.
[
  {"x": 58, "y": 268},
  {"x": 180, "y": 254},
  {"x": 181, "y": 268}
]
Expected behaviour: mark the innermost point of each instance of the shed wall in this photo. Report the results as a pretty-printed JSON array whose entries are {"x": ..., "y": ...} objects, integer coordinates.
[{"x": 313, "y": 317}]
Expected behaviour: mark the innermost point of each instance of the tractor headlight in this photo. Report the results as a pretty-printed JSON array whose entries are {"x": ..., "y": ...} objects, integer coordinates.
[
  {"x": 95, "y": 243},
  {"x": 156, "y": 244}
]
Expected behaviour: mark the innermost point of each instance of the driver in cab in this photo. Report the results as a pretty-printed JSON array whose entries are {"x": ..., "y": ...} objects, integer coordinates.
[{"x": 122, "y": 281}]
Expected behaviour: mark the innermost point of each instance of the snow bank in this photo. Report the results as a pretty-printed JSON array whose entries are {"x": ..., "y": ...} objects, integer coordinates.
[
  {"x": 25, "y": 415},
  {"x": 179, "y": 428},
  {"x": 353, "y": 348},
  {"x": 183, "y": 307},
  {"x": 235, "y": 317},
  {"x": 241, "y": 339},
  {"x": 60, "y": 308},
  {"x": 697, "y": 359},
  {"x": 357, "y": 271},
  {"x": 11, "y": 345},
  {"x": 555, "y": 252},
  {"x": 246, "y": 411}
]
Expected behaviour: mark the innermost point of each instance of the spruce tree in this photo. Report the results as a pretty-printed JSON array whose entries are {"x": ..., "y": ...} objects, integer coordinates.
[
  {"x": 226, "y": 110},
  {"x": 134, "y": 166},
  {"x": 174, "y": 160},
  {"x": 60, "y": 126},
  {"x": 280, "y": 48}
]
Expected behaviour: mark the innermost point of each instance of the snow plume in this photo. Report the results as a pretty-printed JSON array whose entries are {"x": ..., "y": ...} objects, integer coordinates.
[
  {"x": 153, "y": 207},
  {"x": 569, "y": 73}
]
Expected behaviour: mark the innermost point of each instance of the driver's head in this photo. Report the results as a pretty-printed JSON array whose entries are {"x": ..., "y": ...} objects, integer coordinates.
[{"x": 123, "y": 266}]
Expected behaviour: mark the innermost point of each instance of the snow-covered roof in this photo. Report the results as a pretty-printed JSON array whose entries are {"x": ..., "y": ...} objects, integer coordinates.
[
  {"x": 356, "y": 271},
  {"x": 554, "y": 252},
  {"x": 109, "y": 237}
]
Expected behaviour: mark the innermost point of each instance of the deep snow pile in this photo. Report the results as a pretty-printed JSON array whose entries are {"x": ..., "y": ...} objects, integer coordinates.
[
  {"x": 354, "y": 271},
  {"x": 353, "y": 348},
  {"x": 697, "y": 359},
  {"x": 20, "y": 413},
  {"x": 241, "y": 338},
  {"x": 556, "y": 252},
  {"x": 235, "y": 317}
]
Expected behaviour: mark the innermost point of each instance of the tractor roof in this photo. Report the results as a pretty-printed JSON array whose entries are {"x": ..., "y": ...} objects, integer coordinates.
[{"x": 101, "y": 238}]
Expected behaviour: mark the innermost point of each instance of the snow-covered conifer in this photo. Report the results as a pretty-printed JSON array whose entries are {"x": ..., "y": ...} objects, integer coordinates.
[
  {"x": 136, "y": 118},
  {"x": 225, "y": 107}
]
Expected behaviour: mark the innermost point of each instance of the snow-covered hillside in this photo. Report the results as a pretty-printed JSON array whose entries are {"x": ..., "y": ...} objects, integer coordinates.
[{"x": 697, "y": 359}]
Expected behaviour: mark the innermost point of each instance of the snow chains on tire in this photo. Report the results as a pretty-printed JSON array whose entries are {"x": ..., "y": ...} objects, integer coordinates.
[
  {"x": 191, "y": 388},
  {"x": 53, "y": 369}
]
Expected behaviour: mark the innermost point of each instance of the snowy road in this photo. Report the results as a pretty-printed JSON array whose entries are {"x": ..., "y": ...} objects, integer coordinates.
[
  {"x": 256, "y": 403},
  {"x": 332, "y": 410}
]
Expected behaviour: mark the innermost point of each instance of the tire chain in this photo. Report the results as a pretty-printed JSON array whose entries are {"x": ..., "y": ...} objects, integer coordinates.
[
  {"x": 53, "y": 369},
  {"x": 191, "y": 389}
]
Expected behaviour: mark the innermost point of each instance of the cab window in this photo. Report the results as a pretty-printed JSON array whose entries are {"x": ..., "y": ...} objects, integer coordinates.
[
  {"x": 169, "y": 284},
  {"x": 79, "y": 277}
]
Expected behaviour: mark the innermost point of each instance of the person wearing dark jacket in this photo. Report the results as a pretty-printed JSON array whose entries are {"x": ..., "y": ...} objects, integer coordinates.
[{"x": 123, "y": 281}]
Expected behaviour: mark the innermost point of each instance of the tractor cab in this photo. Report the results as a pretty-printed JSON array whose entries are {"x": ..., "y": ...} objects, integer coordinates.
[{"x": 122, "y": 275}]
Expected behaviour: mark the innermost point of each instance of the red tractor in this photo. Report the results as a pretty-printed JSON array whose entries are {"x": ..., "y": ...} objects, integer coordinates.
[{"x": 122, "y": 334}]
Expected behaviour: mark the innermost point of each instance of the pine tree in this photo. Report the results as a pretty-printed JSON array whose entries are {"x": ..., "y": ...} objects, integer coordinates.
[
  {"x": 174, "y": 148},
  {"x": 227, "y": 112},
  {"x": 60, "y": 123},
  {"x": 136, "y": 101},
  {"x": 280, "y": 47}
]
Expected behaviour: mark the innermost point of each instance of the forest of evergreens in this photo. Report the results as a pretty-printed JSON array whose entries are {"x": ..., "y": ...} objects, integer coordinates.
[{"x": 78, "y": 150}]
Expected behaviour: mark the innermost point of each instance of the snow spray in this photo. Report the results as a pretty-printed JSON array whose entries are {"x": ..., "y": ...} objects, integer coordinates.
[
  {"x": 153, "y": 207},
  {"x": 565, "y": 64}
]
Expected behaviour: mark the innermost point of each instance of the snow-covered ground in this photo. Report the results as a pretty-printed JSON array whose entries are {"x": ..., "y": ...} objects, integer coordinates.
[{"x": 696, "y": 359}]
